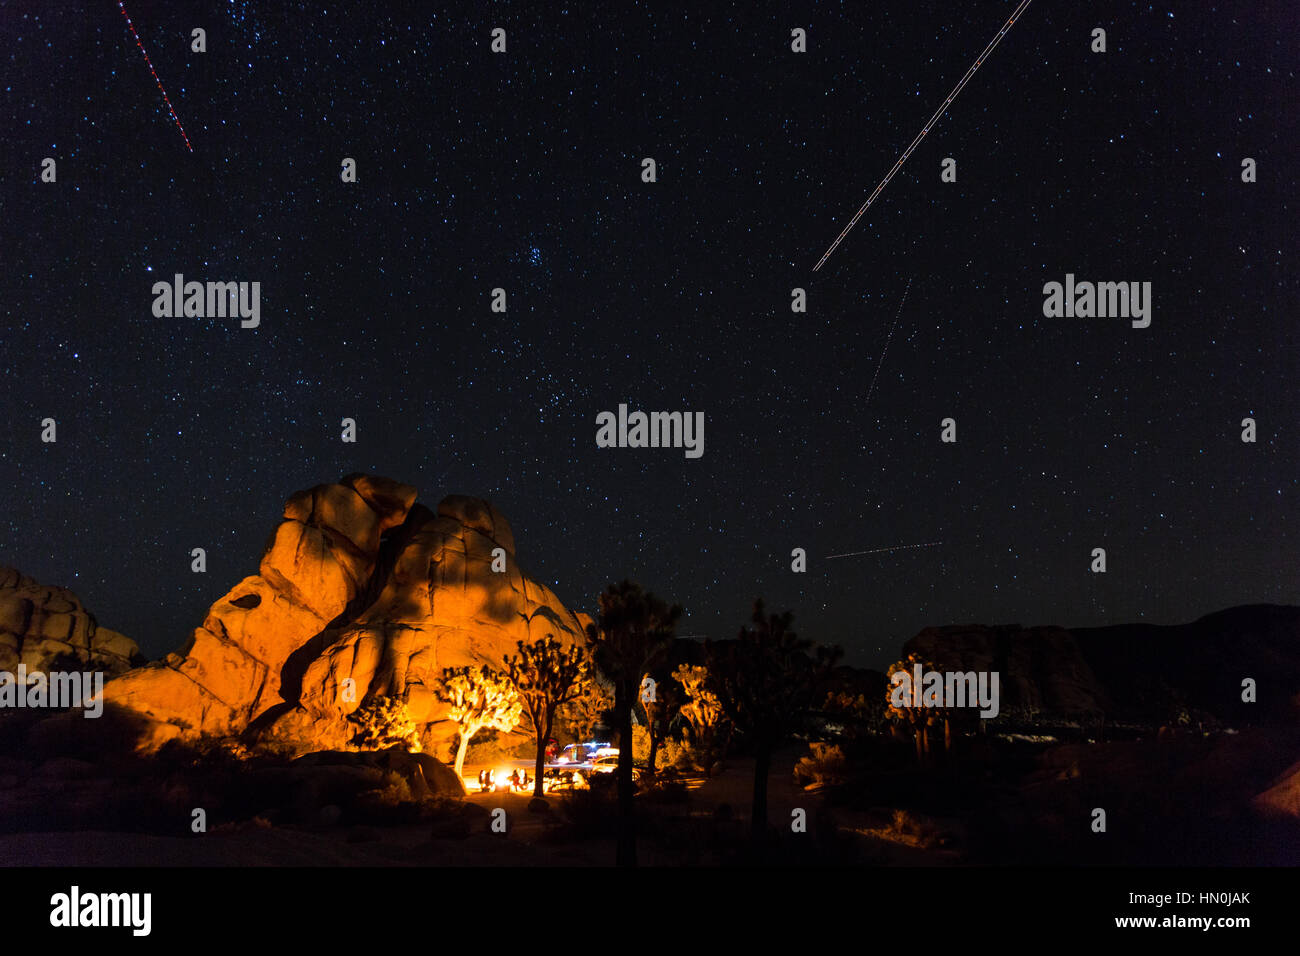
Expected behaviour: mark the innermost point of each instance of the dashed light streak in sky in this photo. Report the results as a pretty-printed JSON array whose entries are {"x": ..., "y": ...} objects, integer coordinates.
[
  {"x": 900, "y": 547},
  {"x": 888, "y": 339},
  {"x": 154, "y": 74}
]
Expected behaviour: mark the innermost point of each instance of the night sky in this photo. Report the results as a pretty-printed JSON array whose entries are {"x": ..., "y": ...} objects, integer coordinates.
[{"x": 523, "y": 171}]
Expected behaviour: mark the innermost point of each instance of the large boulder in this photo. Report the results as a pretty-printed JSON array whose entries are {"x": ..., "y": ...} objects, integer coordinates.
[
  {"x": 425, "y": 775},
  {"x": 361, "y": 593},
  {"x": 47, "y": 629},
  {"x": 317, "y": 561},
  {"x": 1282, "y": 798},
  {"x": 451, "y": 594}
]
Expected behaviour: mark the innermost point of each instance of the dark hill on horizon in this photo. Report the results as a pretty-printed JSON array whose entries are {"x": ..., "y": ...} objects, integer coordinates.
[
  {"x": 1147, "y": 673},
  {"x": 1139, "y": 673}
]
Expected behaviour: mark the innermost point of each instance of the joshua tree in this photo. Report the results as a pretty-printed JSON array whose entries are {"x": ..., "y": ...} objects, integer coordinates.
[
  {"x": 546, "y": 676},
  {"x": 858, "y": 715},
  {"x": 767, "y": 682},
  {"x": 585, "y": 713},
  {"x": 911, "y": 713},
  {"x": 661, "y": 704},
  {"x": 702, "y": 710},
  {"x": 631, "y": 635},
  {"x": 479, "y": 697}
]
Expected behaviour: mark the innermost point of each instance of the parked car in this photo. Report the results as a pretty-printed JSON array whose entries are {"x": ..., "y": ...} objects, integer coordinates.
[
  {"x": 609, "y": 764},
  {"x": 583, "y": 753}
]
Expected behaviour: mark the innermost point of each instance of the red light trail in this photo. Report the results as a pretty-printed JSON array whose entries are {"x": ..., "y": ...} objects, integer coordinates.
[
  {"x": 979, "y": 60},
  {"x": 154, "y": 73}
]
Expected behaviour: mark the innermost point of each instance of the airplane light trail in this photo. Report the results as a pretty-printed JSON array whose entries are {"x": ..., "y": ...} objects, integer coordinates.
[
  {"x": 901, "y": 547},
  {"x": 979, "y": 60},
  {"x": 154, "y": 73}
]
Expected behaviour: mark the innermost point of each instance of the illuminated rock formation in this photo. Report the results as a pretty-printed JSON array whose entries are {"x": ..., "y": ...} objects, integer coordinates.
[
  {"x": 362, "y": 592},
  {"x": 47, "y": 629}
]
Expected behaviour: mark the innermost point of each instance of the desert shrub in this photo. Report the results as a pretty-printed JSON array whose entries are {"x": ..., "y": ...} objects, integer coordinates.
[
  {"x": 916, "y": 830},
  {"x": 674, "y": 753},
  {"x": 589, "y": 814},
  {"x": 454, "y": 819},
  {"x": 394, "y": 791},
  {"x": 666, "y": 789},
  {"x": 392, "y": 803},
  {"x": 382, "y": 723},
  {"x": 689, "y": 757},
  {"x": 824, "y": 765},
  {"x": 640, "y": 744}
]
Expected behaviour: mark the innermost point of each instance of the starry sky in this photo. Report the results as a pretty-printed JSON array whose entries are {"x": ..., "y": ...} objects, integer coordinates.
[{"x": 523, "y": 171}]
